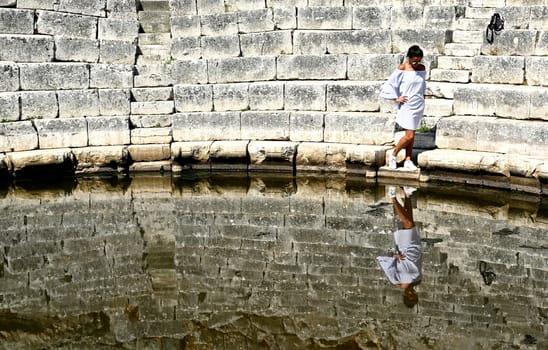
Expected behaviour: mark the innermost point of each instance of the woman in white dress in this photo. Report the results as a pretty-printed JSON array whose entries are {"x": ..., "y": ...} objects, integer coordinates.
[{"x": 407, "y": 86}]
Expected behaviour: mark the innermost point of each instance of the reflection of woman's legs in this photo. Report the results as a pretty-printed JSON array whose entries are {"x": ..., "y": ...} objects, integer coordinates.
[
  {"x": 405, "y": 212},
  {"x": 406, "y": 142}
]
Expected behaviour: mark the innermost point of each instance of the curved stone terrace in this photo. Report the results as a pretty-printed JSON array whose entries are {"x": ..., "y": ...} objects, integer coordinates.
[{"x": 156, "y": 85}]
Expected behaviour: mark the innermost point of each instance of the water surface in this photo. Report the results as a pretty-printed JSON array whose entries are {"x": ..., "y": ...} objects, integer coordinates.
[{"x": 259, "y": 262}]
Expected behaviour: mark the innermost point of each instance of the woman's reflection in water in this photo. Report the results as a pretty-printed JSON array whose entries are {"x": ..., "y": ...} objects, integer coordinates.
[{"x": 403, "y": 266}]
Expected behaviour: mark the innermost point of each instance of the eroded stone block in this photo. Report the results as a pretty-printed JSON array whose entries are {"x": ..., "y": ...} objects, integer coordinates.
[
  {"x": 108, "y": 131},
  {"x": 272, "y": 43},
  {"x": 76, "y": 49},
  {"x": 362, "y": 128},
  {"x": 349, "y": 96},
  {"x": 241, "y": 69},
  {"x": 118, "y": 29},
  {"x": 266, "y": 96},
  {"x": 151, "y": 136},
  {"x": 54, "y": 76},
  {"x": 107, "y": 76},
  {"x": 488, "y": 69},
  {"x": 149, "y": 153},
  {"x": 66, "y": 24},
  {"x": 18, "y": 136},
  {"x": 304, "y": 95},
  {"x": 9, "y": 77},
  {"x": 372, "y": 67},
  {"x": 193, "y": 98},
  {"x": 319, "y": 17},
  {"x": 58, "y": 133},
  {"x": 206, "y": 126},
  {"x": 78, "y": 103},
  {"x": 306, "y": 126},
  {"x": 39, "y": 104},
  {"x": 269, "y": 125},
  {"x": 15, "y": 21},
  {"x": 359, "y": 42},
  {"x": 26, "y": 48},
  {"x": 9, "y": 106},
  {"x": 231, "y": 97},
  {"x": 117, "y": 51},
  {"x": 311, "y": 67},
  {"x": 114, "y": 102},
  {"x": 256, "y": 20}
]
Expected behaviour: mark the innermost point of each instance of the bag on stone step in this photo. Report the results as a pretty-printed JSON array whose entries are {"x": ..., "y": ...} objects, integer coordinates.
[{"x": 494, "y": 27}]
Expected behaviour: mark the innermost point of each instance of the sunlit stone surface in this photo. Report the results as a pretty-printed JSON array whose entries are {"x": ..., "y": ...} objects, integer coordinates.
[{"x": 229, "y": 262}]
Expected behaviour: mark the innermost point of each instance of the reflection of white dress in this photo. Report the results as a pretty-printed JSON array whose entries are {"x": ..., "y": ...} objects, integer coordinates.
[
  {"x": 408, "y": 270},
  {"x": 408, "y": 83}
]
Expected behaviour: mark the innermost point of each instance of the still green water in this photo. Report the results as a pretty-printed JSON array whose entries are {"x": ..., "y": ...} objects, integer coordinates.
[{"x": 238, "y": 261}]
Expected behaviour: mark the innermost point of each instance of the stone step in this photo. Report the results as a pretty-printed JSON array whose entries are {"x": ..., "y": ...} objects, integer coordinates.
[
  {"x": 154, "y": 50},
  {"x": 468, "y": 36},
  {"x": 154, "y": 39},
  {"x": 461, "y": 49},
  {"x": 155, "y": 27},
  {"x": 450, "y": 75},
  {"x": 455, "y": 62},
  {"x": 154, "y": 58},
  {"x": 471, "y": 24},
  {"x": 154, "y": 5}
]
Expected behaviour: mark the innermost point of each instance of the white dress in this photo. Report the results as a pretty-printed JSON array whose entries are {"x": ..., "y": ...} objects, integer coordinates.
[
  {"x": 408, "y": 270},
  {"x": 408, "y": 83}
]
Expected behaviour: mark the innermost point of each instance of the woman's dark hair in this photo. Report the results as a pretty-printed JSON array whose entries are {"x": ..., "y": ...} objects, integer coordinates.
[{"x": 415, "y": 51}]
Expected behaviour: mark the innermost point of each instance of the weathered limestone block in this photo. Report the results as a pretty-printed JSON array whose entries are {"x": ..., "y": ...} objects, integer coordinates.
[
  {"x": 535, "y": 71},
  {"x": 406, "y": 17},
  {"x": 538, "y": 104},
  {"x": 122, "y": 8},
  {"x": 37, "y": 4},
  {"x": 264, "y": 152},
  {"x": 186, "y": 26},
  {"x": 362, "y": 128},
  {"x": 353, "y": 96},
  {"x": 114, "y": 102},
  {"x": 152, "y": 94},
  {"x": 311, "y": 67},
  {"x": 18, "y": 136},
  {"x": 468, "y": 36},
  {"x": 219, "y": 24},
  {"x": 206, "y": 126},
  {"x": 459, "y": 63},
  {"x": 372, "y": 67},
  {"x": 118, "y": 29},
  {"x": 511, "y": 42},
  {"x": 430, "y": 40},
  {"x": 9, "y": 77},
  {"x": 310, "y": 42},
  {"x": 186, "y": 48},
  {"x": 241, "y": 69},
  {"x": 513, "y": 137},
  {"x": 359, "y": 42},
  {"x": 149, "y": 153},
  {"x": 54, "y": 76},
  {"x": 489, "y": 134},
  {"x": 462, "y": 49},
  {"x": 76, "y": 49},
  {"x": 193, "y": 98},
  {"x": 39, "y": 104},
  {"x": 306, "y": 95},
  {"x": 243, "y": 5},
  {"x": 500, "y": 100},
  {"x": 228, "y": 150},
  {"x": 26, "y": 48},
  {"x": 117, "y": 51},
  {"x": 285, "y": 18},
  {"x": 78, "y": 103},
  {"x": 368, "y": 155},
  {"x": 220, "y": 46},
  {"x": 92, "y": 8},
  {"x": 440, "y": 90},
  {"x": 272, "y": 43},
  {"x": 371, "y": 17},
  {"x": 9, "y": 106},
  {"x": 438, "y": 107},
  {"x": 466, "y": 161},
  {"x": 108, "y": 131},
  {"x": 488, "y": 69},
  {"x": 58, "y": 133},
  {"x": 100, "y": 156},
  {"x": 306, "y": 126},
  {"x": 150, "y": 121},
  {"x": 66, "y": 24},
  {"x": 321, "y": 156},
  {"x": 541, "y": 45},
  {"x": 154, "y": 107},
  {"x": 286, "y": 3},
  {"x": 450, "y": 75},
  {"x": 440, "y": 16},
  {"x": 198, "y": 151},
  {"x": 207, "y": 7},
  {"x": 266, "y": 96},
  {"x": 151, "y": 135},
  {"x": 21, "y": 160},
  {"x": 256, "y": 20},
  {"x": 319, "y": 17},
  {"x": 231, "y": 97},
  {"x": 108, "y": 76},
  {"x": 15, "y": 21},
  {"x": 528, "y": 167},
  {"x": 265, "y": 125},
  {"x": 539, "y": 17},
  {"x": 189, "y": 72}
]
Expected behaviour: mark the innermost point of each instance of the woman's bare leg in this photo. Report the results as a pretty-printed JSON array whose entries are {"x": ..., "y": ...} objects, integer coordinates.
[{"x": 406, "y": 142}]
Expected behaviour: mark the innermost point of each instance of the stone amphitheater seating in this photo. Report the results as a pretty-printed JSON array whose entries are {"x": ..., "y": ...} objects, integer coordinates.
[{"x": 303, "y": 73}]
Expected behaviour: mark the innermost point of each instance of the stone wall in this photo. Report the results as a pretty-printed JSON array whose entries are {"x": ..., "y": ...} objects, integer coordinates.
[
  {"x": 118, "y": 85},
  {"x": 270, "y": 263}
]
